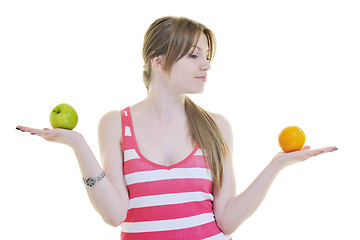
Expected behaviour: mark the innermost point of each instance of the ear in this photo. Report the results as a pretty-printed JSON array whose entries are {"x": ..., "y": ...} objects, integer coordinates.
[{"x": 158, "y": 63}]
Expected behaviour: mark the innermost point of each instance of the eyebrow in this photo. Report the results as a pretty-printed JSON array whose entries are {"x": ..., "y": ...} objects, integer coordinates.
[{"x": 201, "y": 49}]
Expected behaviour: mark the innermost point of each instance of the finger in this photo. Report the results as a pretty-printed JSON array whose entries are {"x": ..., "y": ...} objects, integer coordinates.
[
  {"x": 33, "y": 131},
  {"x": 27, "y": 129},
  {"x": 330, "y": 149},
  {"x": 305, "y": 148},
  {"x": 319, "y": 151}
]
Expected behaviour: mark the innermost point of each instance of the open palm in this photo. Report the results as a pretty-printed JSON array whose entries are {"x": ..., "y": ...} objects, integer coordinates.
[
  {"x": 57, "y": 135},
  {"x": 286, "y": 159}
]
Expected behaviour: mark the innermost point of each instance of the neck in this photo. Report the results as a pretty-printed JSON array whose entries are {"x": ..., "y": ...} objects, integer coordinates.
[{"x": 164, "y": 105}]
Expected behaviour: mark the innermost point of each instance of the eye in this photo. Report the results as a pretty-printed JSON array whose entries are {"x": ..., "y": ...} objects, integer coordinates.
[{"x": 194, "y": 56}]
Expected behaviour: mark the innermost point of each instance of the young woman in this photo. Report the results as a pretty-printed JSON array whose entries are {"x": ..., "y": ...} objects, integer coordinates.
[{"x": 167, "y": 170}]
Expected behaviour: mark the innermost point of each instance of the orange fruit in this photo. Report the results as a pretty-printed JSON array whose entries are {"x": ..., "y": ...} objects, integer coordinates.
[{"x": 291, "y": 139}]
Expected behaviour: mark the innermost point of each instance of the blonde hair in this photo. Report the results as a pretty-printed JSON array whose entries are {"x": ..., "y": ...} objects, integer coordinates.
[{"x": 173, "y": 37}]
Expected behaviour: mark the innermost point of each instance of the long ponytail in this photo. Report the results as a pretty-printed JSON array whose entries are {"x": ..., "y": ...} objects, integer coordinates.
[{"x": 204, "y": 130}]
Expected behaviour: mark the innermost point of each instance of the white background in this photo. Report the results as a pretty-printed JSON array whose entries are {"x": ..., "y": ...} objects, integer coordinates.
[{"x": 278, "y": 63}]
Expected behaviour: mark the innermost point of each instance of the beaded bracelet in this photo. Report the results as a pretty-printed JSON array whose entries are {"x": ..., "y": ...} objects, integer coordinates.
[{"x": 91, "y": 181}]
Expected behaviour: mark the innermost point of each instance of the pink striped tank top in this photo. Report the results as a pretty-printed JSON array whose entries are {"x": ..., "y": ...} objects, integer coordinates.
[{"x": 166, "y": 202}]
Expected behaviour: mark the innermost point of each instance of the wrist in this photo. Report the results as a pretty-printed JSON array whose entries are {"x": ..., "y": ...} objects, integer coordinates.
[
  {"x": 277, "y": 164},
  {"x": 77, "y": 141}
]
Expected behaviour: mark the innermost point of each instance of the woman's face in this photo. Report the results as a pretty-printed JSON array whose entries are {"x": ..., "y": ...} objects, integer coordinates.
[{"x": 188, "y": 75}]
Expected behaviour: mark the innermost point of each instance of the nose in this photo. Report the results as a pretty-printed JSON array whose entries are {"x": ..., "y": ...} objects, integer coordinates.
[{"x": 205, "y": 65}]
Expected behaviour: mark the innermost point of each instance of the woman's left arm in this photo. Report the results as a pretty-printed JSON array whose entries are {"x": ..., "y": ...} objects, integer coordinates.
[{"x": 232, "y": 210}]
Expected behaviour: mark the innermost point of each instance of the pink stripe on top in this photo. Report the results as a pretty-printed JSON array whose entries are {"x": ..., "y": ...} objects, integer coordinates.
[{"x": 166, "y": 202}]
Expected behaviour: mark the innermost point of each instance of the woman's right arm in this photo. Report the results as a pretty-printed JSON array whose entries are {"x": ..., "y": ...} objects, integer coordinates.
[
  {"x": 110, "y": 135},
  {"x": 109, "y": 196}
]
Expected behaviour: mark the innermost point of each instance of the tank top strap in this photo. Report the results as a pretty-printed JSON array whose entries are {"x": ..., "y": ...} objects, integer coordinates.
[{"x": 127, "y": 138}]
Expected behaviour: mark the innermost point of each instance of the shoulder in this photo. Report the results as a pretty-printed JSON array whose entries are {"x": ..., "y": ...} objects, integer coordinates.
[
  {"x": 224, "y": 126},
  {"x": 110, "y": 124},
  {"x": 110, "y": 119},
  {"x": 222, "y": 122},
  {"x": 111, "y": 116}
]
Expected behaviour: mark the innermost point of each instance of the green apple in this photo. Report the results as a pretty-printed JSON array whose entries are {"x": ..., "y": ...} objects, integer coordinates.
[{"x": 63, "y": 116}]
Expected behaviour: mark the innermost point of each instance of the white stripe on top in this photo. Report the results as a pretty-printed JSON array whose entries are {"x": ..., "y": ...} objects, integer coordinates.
[
  {"x": 130, "y": 154},
  {"x": 220, "y": 236},
  {"x": 199, "y": 152},
  {"x": 164, "y": 174},
  {"x": 166, "y": 225},
  {"x": 127, "y": 131},
  {"x": 168, "y": 199}
]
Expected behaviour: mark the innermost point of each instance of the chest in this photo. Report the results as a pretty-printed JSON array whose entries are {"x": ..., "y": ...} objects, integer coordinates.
[{"x": 164, "y": 144}]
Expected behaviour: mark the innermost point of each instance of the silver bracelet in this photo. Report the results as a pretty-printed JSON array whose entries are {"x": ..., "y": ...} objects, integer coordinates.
[{"x": 91, "y": 181}]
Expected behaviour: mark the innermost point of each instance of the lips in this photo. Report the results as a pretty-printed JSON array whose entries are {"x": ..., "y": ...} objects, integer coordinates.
[{"x": 202, "y": 78}]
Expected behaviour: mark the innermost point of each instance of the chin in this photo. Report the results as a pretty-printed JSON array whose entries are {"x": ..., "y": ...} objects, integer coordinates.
[{"x": 195, "y": 91}]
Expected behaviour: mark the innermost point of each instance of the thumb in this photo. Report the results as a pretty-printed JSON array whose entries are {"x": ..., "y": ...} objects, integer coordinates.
[{"x": 306, "y": 148}]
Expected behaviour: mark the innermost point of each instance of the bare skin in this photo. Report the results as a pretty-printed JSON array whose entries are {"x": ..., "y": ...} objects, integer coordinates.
[{"x": 153, "y": 118}]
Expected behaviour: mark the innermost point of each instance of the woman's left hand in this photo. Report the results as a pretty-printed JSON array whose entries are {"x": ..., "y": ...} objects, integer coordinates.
[{"x": 287, "y": 159}]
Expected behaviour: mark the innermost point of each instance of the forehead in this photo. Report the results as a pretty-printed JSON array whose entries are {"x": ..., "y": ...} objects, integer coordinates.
[{"x": 202, "y": 43}]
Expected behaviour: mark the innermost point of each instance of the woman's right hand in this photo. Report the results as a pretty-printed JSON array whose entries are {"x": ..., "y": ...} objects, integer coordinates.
[{"x": 58, "y": 135}]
